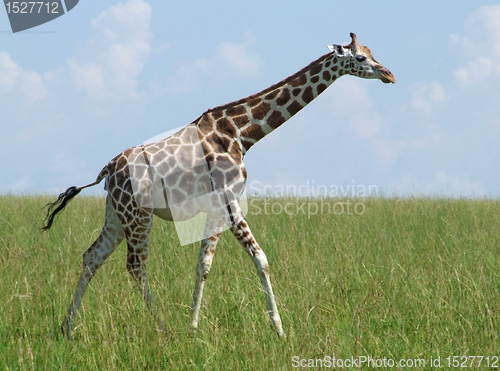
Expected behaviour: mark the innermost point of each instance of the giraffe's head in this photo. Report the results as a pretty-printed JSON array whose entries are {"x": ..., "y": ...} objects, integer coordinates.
[{"x": 358, "y": 61}]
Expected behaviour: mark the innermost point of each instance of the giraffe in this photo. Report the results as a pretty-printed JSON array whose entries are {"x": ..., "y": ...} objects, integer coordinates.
[{"x": 200, "y": 169}]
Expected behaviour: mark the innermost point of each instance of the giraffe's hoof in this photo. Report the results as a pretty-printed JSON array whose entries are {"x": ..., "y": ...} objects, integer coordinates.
[
  {"x": 65, "y": 331},
  {"x": 281, "y": 334}
]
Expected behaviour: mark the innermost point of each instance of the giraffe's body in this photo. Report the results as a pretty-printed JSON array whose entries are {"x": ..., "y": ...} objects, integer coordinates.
[{"x": 200, "y": 169}]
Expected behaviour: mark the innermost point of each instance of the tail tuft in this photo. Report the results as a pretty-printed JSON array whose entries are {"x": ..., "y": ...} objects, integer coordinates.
[{"x": 57, "y": 206}]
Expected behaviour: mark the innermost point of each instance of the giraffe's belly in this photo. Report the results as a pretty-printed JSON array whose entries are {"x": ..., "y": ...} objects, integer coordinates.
[{"x": 164, "y": 213}]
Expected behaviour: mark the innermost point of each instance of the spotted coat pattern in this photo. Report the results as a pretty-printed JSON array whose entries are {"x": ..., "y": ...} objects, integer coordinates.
[{"x": 207, "y": 155}]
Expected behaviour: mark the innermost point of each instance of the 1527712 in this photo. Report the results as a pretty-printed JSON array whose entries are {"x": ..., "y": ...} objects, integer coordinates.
[
  {"x": 28, "y": 7},
  {"x": 472, "y": 361}
]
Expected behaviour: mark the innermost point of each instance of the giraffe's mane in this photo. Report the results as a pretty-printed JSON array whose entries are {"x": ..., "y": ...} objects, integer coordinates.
[{"x": 272, "y": 87}]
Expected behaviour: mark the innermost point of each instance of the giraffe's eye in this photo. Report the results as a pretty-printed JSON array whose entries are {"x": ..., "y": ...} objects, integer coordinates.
[{"x": 361, "y": 58}]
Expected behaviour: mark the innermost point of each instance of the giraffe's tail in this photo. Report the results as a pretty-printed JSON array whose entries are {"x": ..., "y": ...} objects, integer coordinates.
[{"x": 55, "y": 207}]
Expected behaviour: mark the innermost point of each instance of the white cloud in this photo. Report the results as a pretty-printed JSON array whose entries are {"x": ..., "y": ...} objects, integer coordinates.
[
  {"x": 27, "y": 86},
  {"x": 238, "y": 58},
  {"x": 388, "y": 150},
  {"x": 426, "y": 95},
  {"x": 9, "y": 73},
  {"x": 458, "y": 185},
  {"x": 162, "y": 47},
  {"x": 480, "y": 45},
  {"x": 365, "y": 124},
  {"x": 439, "y": 183},
  {"x": 350, "y": 101},
  {"x": 187, "y": 76},
  {"x": 477, "y": 70},
  {"x": 107, "y": 68},
  {"x": 352, "y": 106},
  {"x": 431, "y": 141},
  {"x": 18, "y": 186}
]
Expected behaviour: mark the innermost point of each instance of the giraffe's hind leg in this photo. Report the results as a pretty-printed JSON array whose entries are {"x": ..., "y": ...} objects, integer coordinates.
[
  {"x": 111, "y": 236},
  {"x": 137, "y": 226}
]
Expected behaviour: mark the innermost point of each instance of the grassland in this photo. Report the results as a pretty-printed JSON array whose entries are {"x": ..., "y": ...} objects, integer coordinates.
[{"x": 410, "y": 278}]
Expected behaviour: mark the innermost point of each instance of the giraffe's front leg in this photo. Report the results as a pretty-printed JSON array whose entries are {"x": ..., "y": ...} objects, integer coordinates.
[
  {"x": 242, "y": 232},
  {"x": 213, "y": 229}
]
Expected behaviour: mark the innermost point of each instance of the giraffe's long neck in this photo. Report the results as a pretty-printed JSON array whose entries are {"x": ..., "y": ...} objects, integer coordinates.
[{"x": 250, "y": 119}]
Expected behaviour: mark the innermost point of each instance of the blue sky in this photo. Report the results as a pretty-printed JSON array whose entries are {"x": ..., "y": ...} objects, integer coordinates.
[{"x": 108, "y": 75}]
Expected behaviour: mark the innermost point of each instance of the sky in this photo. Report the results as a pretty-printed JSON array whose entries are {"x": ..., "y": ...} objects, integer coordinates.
[{"x": 109, "y": 75}]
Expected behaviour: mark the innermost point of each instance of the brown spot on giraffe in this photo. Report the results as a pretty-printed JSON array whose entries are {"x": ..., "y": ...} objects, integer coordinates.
[
  {"x": 235, "y": 153},
  {"x": 253, "y": 102},
  {"x": 223, "y": 162},
  {"x": 185, "y": 159},
  {"x": 206, "y": 148},
  {"x": 232, "y": 175},
  {"x": 246, "y": 144},
  {"x": 308, "y": 95},
  {"x": 159, "y": 157},
  {"x": 173, "y": 176},
  {"x": 205, "y": 125},
  {"x": 241, "y": 121},
  {"x": 294, "y": 108},
  {"x": 120, "y": 208},
  {"x": 218, "y": 143},
  {"x": 121, "y": 176},
  {"x": 316, "y": 69},
  {"x": 173, "y": 141},
  {"x": 299, "y": 81},
  {"x": 321, "y": 88},
  {"x": 296, "y": 91},
  {"x": 122, "y": 161},
  {"x": 284, "y": 97},
  {"x": 261, "y": 111},
  {"x": 275, "y": 120},
  {"x": 315, "y": 79},
  {"x": 187, "y": 182},
  {"x": 236, "y": 111},
  {"x": 225, "y": 127},
  {"x": 272, "y": 95},
  {"x": 218, "y": 178},
  {"x": 254, "y": 131},
  {"x": 217, "y": 114}
]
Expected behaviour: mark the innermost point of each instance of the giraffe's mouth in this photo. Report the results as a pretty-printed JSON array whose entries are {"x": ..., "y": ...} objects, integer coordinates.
[{"x": 386, "y": 77}]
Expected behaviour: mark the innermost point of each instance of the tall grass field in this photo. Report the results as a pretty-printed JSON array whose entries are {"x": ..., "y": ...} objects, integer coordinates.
[{"x": 400, "y": 280}]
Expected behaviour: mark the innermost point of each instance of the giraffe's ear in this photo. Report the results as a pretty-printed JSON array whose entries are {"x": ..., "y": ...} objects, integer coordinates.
[{"x": 338, "y": 49}]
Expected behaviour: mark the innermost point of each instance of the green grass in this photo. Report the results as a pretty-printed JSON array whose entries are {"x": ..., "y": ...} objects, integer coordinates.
[{"x": 409, "y": 278}]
